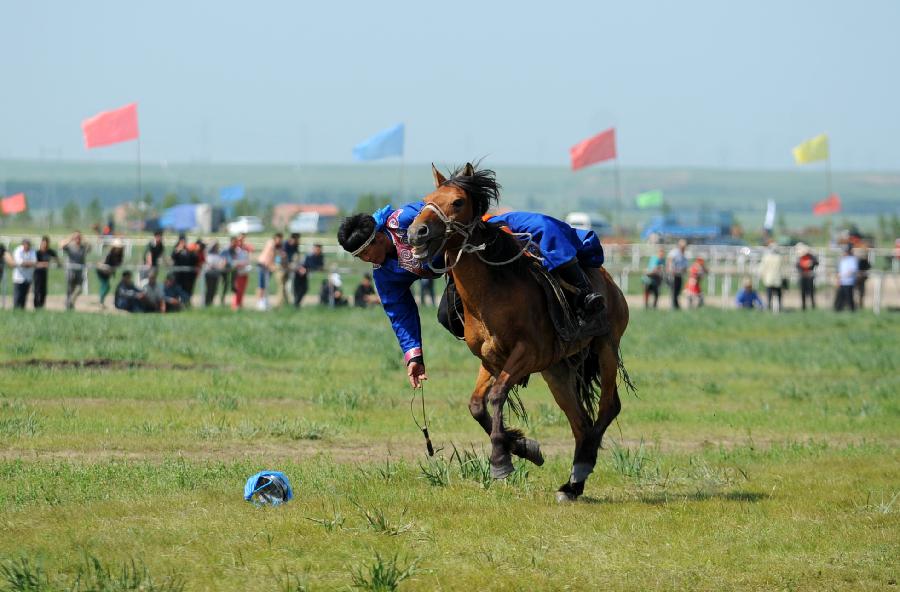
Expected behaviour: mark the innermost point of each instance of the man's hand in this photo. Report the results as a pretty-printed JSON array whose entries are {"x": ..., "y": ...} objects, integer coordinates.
[{"x": 416, "y": 373}]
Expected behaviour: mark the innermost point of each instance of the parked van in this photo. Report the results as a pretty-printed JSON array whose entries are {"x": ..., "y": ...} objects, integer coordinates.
[{"x": 585, "y": 221}]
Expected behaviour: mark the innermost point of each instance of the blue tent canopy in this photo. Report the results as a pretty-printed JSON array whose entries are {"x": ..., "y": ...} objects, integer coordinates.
[{"x": 179, "y": 218}]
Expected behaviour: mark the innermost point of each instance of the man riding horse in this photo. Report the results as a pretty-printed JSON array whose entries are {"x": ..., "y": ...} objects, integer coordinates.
[{"x": 382, "y": 240}]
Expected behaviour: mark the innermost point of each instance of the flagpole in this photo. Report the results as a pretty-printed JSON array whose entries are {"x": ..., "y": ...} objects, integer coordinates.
[
  {"x": 402, "y": 176},
  {"x": 139, "y": 182},
  {"x": 828, "y": 173},
  {"x": 618, "y": 192}
]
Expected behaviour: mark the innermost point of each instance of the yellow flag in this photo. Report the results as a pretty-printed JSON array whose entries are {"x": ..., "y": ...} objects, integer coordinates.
[{"x": 812, "y": 150}]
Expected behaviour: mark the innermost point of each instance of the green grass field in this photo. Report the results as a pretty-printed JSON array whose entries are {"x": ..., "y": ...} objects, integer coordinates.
[{"x": 761, "y": 452}]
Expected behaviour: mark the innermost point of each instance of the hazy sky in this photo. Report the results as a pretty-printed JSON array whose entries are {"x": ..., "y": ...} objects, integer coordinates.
[{"x": 715, "y": 83}]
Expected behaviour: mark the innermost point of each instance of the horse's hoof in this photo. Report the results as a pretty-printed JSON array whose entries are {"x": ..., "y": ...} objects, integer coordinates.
[
  {"x": 503, "y": 469},
  {"x": 564, "y": 497},
  {"x": 533, "y": 451}
]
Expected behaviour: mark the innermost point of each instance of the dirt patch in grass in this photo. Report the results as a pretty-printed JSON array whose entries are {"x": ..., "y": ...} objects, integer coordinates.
[
  {"x": 357, "y": 451},
  {"x": 103, "y": 364}
]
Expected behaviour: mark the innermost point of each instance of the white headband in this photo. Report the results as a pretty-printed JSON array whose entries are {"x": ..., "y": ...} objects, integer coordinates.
[{"x": 365, "y": 244}]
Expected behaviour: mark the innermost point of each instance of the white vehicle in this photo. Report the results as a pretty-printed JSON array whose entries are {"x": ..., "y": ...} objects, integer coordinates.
[
  {"x": 310, "y": 223},
  {"x": 245, "y": 224},
  {"x": 583, "y": 221}
]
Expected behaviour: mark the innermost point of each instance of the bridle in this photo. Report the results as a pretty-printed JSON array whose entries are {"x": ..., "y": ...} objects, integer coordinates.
[{"x": 452, "y": 227}]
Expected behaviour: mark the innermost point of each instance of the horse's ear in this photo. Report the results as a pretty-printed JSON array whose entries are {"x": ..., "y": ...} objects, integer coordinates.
[
  {"x": 439, "y": 179},
  {"x": 469, "y": 170}
]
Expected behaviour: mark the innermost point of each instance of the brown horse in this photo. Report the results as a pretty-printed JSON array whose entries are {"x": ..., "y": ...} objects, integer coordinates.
[{"x": 508, "y": 327}]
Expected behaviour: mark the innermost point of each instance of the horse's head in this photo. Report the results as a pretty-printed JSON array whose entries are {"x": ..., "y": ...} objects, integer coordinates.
[{"x": 454, "y": 207}]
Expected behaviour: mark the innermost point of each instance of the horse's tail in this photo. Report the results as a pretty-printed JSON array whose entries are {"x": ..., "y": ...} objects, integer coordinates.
[
  {"x": 623, "y": 373},
  {"x": 587, "y": 378},
  {"x": 587, "y": 381}
]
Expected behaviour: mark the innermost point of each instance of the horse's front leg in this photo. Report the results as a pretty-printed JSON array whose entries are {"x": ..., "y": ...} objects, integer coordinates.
[
  {"x": 517, "y": 443},
  {"x": 501, "y": 444}
]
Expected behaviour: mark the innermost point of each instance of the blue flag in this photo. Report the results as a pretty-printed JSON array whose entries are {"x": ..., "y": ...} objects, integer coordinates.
[
  {"x": 232, "y": 193},
  {"x": 387, "y": 142}
]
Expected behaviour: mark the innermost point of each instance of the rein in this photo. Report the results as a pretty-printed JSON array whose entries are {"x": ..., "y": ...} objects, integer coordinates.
[{"x": 452, "y": 227}]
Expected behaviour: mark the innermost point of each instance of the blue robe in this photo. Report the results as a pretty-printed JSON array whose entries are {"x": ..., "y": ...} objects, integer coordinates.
[{"x": 559, "y": 243}]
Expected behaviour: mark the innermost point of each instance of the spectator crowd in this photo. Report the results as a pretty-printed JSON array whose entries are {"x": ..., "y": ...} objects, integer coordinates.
[
  {"x": 672, "y": 268},
  {"x": 166, "y": 280}
]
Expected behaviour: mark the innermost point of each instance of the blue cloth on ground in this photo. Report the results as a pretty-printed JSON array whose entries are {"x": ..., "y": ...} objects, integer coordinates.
[{"x": 265, "y": 481}]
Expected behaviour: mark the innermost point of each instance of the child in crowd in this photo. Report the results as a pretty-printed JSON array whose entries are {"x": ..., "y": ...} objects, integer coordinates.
[
  {"x": 696, "y": 273},
  {"x": 748, "y": 297}
]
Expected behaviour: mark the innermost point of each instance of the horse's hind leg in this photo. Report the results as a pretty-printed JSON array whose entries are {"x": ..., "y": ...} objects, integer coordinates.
[
  {"x": 518, "y": 444},
  {"x": 610, "y": 404},
  {"x": 561, "y": 380}
]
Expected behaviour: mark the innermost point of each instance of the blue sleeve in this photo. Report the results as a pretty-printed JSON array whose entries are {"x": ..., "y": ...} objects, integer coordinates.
[
  {"x": 401, "y": 309},
  {"x": 408, "y": 213}
]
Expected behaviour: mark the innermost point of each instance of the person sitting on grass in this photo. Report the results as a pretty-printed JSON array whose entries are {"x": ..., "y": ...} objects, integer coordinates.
[
  {"x": 174, "y": 295},
  {"x": 153, "y": 294},
  {"x": 129, "y": 297},
  {"x": 748, "y": 297},
  {"x": 365, "y": 293}
]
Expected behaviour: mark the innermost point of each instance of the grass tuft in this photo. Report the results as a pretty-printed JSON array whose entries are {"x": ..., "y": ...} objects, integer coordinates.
[
  {"x": 383, "y": 574},
  {"x": 377, "y": 520},
  {"x": 90, "y": 576}
]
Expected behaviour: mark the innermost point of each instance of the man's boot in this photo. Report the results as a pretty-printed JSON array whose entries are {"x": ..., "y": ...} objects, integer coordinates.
[{"x": 589, "y": 305}]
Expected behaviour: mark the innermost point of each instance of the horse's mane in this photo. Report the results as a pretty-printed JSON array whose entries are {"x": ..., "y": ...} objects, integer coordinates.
[
  {"x": 483, "y": 191},
  {"x": 481, "y": 188}
]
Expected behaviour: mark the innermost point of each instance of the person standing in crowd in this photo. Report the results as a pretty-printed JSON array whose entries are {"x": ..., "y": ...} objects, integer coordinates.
[
  {"x": 426, "y": 291},
  {"x": 44, "y": 256},
  {"x": 806, "y": 269},
  {"x": 656, "y": 269},
  {"x": 240, "y": 269},
  {"x": 771, "y": 276},
  {"x": 25, "y": 260},
  {"x": 848, "y": 267},
  {"x": 365, "y": 293},
  {"x": 215, "y": 269},
  {"x": 267, "y": 262},
  {"x": 676, "y": 266},
  {"x": 748, "y": 298},
  {"x": 862, "y": 274},
  {"x": 694, "y": 290},
  {"x": 154, "y": 252},
  {"x": 228, "y": 269},
  {"x": 290, "y": 255},
  {"x": 3, "y": 254},
  {"x": 198, "y": 250},
  {"x": 314, "y": 261},
  {"x": 76, "y": 255},
  {"x": 184, "y": 261},
  {"x": 107, "y": 269}
]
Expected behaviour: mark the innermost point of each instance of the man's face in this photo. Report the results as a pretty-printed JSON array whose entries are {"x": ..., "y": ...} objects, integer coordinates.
[
  {"x": 157, "y": 238},
  {"x": 26, "y": 246},
  {"x": 376, "y": 252},
  {"x": 317, "y": 250}
]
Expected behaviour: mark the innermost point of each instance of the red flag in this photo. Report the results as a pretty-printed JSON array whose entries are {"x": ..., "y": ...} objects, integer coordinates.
[
  {"x": 111, "y": 127},
  {"x": 829, "y": 205},
  {"x": 13, "y": 204},
  {"x": 597, "y": 149}
]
